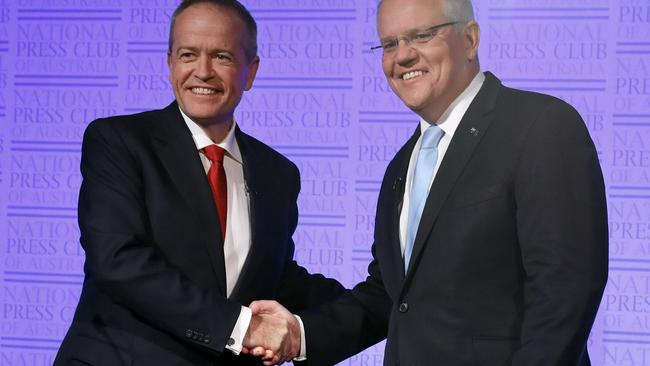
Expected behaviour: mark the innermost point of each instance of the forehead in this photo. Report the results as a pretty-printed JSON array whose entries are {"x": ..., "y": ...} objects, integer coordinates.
[
  {"x": 395, "y": 17},
  {"x": 205, "y": 22}
]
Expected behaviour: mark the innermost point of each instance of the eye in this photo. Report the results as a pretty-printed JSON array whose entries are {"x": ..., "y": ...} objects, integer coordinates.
[
  {"x": 389, "y": 44},
  {"x": 223, "y": 57},
  {"x": 424, "y": 36},
  {"x": 186, "y": 56}
]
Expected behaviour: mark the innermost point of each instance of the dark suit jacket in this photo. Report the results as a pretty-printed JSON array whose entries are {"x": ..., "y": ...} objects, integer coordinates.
[
  {"x": 154, "y": 291},
  {"x": 510, "y": 259}
]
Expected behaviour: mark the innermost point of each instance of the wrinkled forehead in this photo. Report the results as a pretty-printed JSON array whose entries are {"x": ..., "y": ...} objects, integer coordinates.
[{"x": 395, "y": 17}]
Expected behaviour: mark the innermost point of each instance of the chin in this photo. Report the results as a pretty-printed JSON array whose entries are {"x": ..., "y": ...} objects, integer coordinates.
[
  {"x": 414, "y": 104},
  {"x": 196, "y": 115}
]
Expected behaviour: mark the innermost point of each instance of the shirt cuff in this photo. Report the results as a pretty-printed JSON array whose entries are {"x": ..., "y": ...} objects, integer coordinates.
[
  {"x": 235, "y": 343},
  {"x": 302, "y": 356}
]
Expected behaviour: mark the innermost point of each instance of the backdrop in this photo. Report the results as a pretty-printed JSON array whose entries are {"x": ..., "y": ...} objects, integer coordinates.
[{"x": 321, "y": 100}]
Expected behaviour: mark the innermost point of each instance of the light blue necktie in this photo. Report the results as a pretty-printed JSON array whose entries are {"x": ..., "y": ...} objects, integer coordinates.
[{"x": 426, "y": 163}]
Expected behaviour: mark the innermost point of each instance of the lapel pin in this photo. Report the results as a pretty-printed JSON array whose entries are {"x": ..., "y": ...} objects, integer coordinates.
[{"x": 473, "y": 131}]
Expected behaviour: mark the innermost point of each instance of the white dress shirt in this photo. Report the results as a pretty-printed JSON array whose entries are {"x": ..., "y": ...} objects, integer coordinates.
[
  {"x": 448, "y": 122},
  {"x": 235, "y": 247}
]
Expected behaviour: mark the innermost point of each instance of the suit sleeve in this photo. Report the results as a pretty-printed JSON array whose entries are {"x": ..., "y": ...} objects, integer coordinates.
[
  {"x": 353, "y": 322},
  {"x": 121, "y": 257},
  {"x": 562, "y": 229},
  {"x": 324, "y": 305}
]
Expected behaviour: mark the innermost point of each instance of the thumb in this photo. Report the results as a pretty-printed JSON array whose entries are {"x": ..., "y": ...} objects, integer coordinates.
[{"x": 263, "y": 307}]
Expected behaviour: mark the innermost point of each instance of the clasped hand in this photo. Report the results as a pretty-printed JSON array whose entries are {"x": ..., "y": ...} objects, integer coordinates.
[{"x": 273, "y": 333}]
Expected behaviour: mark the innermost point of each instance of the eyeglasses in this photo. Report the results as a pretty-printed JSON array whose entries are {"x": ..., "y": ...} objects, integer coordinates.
[{"x": 419, "y": 36}]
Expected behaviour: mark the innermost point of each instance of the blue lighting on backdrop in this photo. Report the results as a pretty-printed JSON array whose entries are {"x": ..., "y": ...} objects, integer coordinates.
[{"x": 320, "y": 99}]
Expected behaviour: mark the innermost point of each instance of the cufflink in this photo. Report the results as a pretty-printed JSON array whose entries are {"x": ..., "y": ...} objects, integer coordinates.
[{"x": 231, "y": 342}]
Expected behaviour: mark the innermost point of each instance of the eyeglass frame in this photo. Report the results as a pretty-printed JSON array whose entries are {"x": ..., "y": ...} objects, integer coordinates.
[{"x": 409, "y": 38}]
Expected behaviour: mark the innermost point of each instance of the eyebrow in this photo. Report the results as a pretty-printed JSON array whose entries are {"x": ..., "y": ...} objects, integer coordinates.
[
  {"x": 186, "y": 48},
  {"x": 197, "y": 50},
  {"x": 414, "y": 30},
  {"x": 407, "y": 32}
]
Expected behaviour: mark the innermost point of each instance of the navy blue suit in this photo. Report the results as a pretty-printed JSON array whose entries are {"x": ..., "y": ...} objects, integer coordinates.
[
  {"x": 155, "y": 290},
  {"x": 510, "y": 258}
]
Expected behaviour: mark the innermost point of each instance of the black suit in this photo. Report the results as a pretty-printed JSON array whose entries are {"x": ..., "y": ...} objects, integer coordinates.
[
  {"x": 154, "y": 292},
  {"x": 510, "y": 258}
]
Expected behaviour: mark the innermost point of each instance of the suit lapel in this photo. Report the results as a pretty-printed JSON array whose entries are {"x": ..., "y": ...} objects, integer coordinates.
[
  {"x": 254, "y": 175},
  {"x": 180, "y": 158},
  {"x": 472, "y": 127},
  {"x": 398, "y": 187}
]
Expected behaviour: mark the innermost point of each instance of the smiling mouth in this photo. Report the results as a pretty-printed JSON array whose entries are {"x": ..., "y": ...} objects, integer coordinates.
[
  {"x": 203, "y": 91},
  {"x": 411, "y": 75}
]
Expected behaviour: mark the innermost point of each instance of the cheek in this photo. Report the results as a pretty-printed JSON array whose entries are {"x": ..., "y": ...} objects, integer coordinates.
[
  {"x": 450, "y": 69},
  {"x": 182, "y": 71},
  {"x": 177, "y": 77},
  {"x": 442, "y": 68}
]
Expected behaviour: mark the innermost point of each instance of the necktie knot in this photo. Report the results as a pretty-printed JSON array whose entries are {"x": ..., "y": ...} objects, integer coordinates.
[
  {"x": 214, "y": 153},
  {"x": 431, "y": 137}
]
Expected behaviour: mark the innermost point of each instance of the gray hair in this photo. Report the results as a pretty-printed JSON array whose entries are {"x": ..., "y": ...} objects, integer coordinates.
[
  {"x": 458, "y": 10},
  {"x": 455, "y": 10}
]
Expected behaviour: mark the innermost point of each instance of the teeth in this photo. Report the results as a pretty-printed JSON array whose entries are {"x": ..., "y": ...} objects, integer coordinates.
[
  {"x": 412, "y": 74},
  {"x": 203, "y": 91}
]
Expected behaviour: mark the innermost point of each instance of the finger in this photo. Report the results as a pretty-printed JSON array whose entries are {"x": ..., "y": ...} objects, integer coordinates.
[
  {"x": 258, "y": 352},
  {"x": 245, "y": 350},
  {"x": 264, "y": 306},
  {"x": 260, "y": 349},
  {"x": 271, "y": 357},
  {"x": 255, "y": 307},
  {"x": 268, "y": 355},
  {"x": 274, "y": 361}
]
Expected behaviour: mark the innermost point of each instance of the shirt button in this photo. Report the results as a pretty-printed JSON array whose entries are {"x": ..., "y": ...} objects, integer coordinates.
[{"x": 403, "y": 307}]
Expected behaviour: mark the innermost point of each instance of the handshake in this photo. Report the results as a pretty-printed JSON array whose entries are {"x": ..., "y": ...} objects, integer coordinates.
[{"x": 273, "y": 333}]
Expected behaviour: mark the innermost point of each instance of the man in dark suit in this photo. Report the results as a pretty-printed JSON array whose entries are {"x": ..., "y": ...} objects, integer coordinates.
[
  {"x": 491, "y": 230},
  {"x": 184, "y": 218}
]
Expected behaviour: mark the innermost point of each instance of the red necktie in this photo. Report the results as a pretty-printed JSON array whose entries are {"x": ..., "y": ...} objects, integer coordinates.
[{"x": 217, "y": 180}]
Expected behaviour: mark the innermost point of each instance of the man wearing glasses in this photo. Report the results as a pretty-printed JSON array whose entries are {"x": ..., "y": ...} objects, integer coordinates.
[{"x": 491, "y": 228}]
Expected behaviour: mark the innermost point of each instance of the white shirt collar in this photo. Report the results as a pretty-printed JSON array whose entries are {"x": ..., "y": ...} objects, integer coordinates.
[
  {"x": 450, "y": 119},
  {"x": 202, "y": 140}
]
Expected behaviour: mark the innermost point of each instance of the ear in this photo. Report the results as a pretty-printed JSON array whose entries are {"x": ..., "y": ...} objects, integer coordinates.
[
  {"x": 252, "y": 71},
  {"x": 169, "y": 60},
  {"x": 471, "y": 37}
]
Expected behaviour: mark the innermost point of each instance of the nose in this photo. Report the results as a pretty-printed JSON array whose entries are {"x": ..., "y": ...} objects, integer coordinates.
[
  {"x": 204, "y": 70},
  {"x": 405, "y": 54}
]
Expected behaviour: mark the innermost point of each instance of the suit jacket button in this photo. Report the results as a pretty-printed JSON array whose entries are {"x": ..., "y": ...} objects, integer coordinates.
[
  {"x": 188, "y": 333},
  {"x": 206, "y": 339},
  {"x": 403, "y": 307}
]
